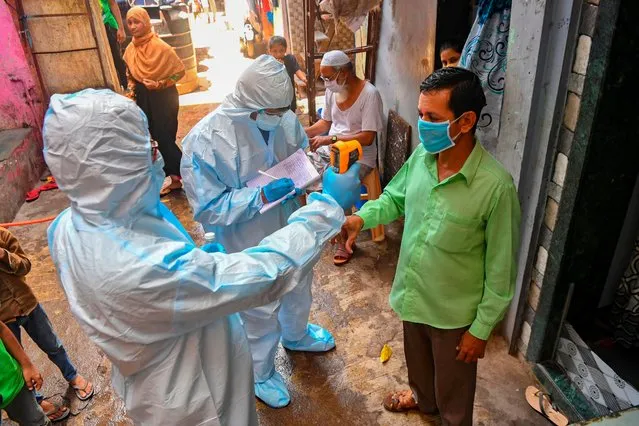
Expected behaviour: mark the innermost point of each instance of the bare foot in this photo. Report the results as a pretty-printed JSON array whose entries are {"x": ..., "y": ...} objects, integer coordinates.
[
  {"x": 170, "y": 183},
  {"x": 83, "y": 388},
  {"x": 400, "y": 401},
  {"x": 52, "y": 412},
  {"x": 176, "y": 182}
]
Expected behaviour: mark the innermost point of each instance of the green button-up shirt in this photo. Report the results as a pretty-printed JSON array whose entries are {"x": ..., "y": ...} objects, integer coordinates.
[{"x": 457, "y": 264}]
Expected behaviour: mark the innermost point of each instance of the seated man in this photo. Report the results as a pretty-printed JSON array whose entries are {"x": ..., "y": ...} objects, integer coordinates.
[
  {"x": 161, "y": 309},
  {"x": 353, "y": 111}
]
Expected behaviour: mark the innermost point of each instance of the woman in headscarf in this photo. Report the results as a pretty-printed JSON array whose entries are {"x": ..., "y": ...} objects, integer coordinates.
[{"x": 153, "y": 69}]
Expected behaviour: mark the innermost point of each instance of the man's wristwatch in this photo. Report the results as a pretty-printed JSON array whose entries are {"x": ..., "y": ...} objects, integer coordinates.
[{"x": 333, "y": 138}]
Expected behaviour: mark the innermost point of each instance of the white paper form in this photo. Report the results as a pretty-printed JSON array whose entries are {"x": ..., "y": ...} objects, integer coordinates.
[{"x": 297, "y": 167}]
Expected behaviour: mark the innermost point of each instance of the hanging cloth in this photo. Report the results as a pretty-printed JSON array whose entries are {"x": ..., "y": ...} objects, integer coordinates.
[
  {"x": 485, "y": 54},
  {"x": 264, "y": 7}
]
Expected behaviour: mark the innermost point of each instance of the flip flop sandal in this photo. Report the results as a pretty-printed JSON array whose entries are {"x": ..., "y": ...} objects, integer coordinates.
[
  {"x": 540, "y": 402},
  {"x": 35, "y": 193},
  {"x": 341, "y": 256},
  {"x": 66, "y": 412},
  {"x": 167, "y": 186},
  {"x": 88, "y": 395},
  {"x": 393, "y": 404}
]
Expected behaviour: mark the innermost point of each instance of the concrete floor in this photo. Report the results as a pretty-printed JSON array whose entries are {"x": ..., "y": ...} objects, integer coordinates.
[{"x": 343, "y": 387}]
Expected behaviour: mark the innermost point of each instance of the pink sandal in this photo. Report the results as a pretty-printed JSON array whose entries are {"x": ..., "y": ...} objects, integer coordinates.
[
  {"x": 169, "y": 185},
  {"x": 341, "y": 256}
]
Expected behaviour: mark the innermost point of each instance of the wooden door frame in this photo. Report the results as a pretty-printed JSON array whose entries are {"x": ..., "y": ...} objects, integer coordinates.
[{"x": 107, "y": 67}]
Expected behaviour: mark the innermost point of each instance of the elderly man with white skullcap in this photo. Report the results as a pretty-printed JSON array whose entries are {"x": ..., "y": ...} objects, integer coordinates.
[{"x": 353, "y": 111}]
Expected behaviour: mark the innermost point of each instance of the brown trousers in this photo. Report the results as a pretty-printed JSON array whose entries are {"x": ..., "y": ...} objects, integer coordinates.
[{"x": 439, "y": 382}]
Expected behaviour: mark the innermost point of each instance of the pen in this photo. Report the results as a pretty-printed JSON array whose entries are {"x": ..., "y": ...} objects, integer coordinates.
[{"x": 267, "y": 175}]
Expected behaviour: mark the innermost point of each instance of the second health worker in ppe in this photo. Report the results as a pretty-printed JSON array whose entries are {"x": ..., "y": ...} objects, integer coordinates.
[
  {"x": 161, "y": 309},
  {"x": 253, "y": 130}
]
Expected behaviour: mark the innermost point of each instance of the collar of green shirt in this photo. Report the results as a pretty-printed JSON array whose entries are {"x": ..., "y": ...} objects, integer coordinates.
[{"x": 467, "y": 172}]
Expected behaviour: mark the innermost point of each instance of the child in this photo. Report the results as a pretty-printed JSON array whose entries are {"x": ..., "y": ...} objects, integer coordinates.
[
  {"x": 18, "y": 378},
  {"x": 208, "y": 7},
  {"x": 20, "y": 308},
  {"x": 277, "y": 48},
  {"x": 195, "y": 7},
  {"x": 450, "y": 53}
]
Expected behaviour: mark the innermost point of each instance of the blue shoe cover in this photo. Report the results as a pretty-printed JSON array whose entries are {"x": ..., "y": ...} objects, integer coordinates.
[
  {"x": 317, "y": 339},
  {"x": 273, "y": 392}
]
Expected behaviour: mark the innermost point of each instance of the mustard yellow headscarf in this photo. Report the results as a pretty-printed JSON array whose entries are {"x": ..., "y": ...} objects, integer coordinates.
[{"x": 147, "y": 56}]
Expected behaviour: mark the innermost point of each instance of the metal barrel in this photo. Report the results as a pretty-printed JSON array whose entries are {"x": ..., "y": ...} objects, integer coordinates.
[{"x": 180, "y": 39}]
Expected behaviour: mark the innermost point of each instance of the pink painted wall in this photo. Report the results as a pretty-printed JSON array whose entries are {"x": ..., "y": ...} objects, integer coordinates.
[{"x": 20, "y": 95}]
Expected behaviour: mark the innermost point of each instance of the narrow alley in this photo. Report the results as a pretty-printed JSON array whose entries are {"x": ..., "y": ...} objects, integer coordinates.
[
  {"x": 345, "y": 386},
  {"x": 488, "y": 139}
]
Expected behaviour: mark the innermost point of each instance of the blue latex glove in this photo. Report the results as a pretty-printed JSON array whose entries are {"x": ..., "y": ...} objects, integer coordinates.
[
  {"x": 294, "y": 195},
  {"x": 213, "y": 248},
  {"x": 344, "y": 188},
  {"x": 277, "y": 189}
]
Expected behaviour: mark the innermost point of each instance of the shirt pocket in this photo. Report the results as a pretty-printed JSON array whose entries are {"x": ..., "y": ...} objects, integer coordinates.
[{"x": 459, "y": 234}]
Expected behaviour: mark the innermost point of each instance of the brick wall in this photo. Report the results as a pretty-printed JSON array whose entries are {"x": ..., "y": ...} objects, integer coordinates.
[{"x": 556, "y": 184}]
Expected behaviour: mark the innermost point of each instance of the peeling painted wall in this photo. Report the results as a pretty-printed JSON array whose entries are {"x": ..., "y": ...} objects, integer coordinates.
[
  {"x": 406, "y": 54},
  {"x": 21, "y": 109},
  {"x": 20, "y": 97}
]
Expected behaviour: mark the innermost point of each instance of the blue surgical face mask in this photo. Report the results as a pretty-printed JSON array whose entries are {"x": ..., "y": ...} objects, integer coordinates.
[
  {"x": 267, "y": 122},
  {"x": 435, "y": 137}
]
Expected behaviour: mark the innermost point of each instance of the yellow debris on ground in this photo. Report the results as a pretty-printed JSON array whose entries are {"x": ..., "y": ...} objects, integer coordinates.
[{"x": 385, "y": 354}]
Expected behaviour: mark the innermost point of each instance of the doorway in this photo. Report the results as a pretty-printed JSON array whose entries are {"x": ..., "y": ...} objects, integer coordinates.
[
  {"x": 454, "y": 20},
  {"x": 599, "y": 345},
  {"x": 613, "y": 331}
]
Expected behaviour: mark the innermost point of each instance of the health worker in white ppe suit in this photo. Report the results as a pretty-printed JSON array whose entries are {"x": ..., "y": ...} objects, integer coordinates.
[
  {"x": 252, "y": 130},
  {"x": 161, "y": 309}
]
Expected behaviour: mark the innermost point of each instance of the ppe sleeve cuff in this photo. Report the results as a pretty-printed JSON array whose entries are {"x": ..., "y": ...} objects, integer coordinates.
[
  {"x": 480, "y": 331},
  {"x": 260, "y": 202}
]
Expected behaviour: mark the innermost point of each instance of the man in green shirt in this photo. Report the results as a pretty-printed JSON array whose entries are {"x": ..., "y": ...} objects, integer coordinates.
[
  {"x": 115, "y": 33},
  {"x": 457, "y": 264},
  {"x": 18, "y": 378}
]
